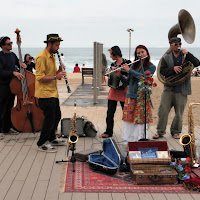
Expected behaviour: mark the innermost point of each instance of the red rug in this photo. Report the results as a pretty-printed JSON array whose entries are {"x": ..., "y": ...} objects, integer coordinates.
[{"x": 86, "y": 180}]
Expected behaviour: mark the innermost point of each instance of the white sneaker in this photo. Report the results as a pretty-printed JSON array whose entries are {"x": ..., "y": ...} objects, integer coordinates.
[
  {"x": 46, "y": 147},
  {"x": 58, "y": 142}
]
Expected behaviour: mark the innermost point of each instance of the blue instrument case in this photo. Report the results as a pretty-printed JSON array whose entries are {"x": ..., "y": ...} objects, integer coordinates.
[{"x": 109, "y": 160}]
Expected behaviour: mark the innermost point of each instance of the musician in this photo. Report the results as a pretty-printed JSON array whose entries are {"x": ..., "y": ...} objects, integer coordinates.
[
  {"x": 47, "y": 92},
  {"x": 114, "y": 95},
  {"x": 133, "y": 129},
  {"x": 175, "y": 96},
  {"x": 9, "y": 66}
]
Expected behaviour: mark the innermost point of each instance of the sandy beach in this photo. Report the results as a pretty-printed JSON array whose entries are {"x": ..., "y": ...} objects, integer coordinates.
[{"x": 75, "y": 80}]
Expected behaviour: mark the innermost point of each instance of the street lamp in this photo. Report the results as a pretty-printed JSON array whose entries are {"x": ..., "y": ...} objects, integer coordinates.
[{"x": 130, "y": 30}]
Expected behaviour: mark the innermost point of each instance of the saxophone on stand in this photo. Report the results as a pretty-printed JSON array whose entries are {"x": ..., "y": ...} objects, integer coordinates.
[
  {"x": 188, "y": 140},
  {"x": 73, "y": 137}
]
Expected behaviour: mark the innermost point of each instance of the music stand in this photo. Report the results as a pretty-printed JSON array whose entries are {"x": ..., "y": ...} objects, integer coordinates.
[{"x": 145, "y": 104}]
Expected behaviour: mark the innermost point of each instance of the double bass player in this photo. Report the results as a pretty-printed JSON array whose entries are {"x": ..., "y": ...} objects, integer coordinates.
[{"x": 9, "y": 67}]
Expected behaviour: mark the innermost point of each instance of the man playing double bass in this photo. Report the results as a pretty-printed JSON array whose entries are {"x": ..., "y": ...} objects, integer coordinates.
[
  {"x": 47, "y": 92},
  {"x": 9, "y": 66}
]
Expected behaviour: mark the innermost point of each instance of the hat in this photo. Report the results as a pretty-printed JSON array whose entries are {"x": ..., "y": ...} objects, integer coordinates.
[
  {"x": 116, "y": 50},
  {"x": 3, "y": 40},
  {"x": 53, "y": 37},
  {"x": 174, "y": 39}
]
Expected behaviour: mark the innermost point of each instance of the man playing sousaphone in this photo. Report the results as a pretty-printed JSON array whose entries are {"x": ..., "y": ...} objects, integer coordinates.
[{"x": 174, "y": 96}]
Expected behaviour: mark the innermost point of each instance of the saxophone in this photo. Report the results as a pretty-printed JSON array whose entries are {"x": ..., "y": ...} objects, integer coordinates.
[
  {"x": 73, "y": 137},
  {"x": 188, "y": 140}
]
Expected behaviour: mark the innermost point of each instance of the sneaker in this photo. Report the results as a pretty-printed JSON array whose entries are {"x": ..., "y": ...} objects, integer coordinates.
[
  {"x": 58, "y": 142},
  {"x": 46, "y": 147},
  {"x": 1, "y": 136}
]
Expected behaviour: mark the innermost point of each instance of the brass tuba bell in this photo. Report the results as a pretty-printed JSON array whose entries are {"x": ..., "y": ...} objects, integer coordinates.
[{"x": 186, "y": 28}]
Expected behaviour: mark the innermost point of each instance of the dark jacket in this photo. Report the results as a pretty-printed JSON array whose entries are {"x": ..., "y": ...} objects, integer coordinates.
[
  {"x": 167, "y": 69},
  {"x": 8, "y": 64}
]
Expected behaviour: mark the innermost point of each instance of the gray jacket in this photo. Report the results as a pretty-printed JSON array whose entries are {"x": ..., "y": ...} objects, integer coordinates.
[{"x": 167, "y": 69}]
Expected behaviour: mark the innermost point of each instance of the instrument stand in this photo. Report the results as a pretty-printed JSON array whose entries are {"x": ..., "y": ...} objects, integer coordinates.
[
  {"x": 72, "y": 159},
  {"x": 145, "y": 107}
]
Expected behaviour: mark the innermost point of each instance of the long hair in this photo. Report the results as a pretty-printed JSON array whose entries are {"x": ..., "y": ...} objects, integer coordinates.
[
  {"x": 147, "y": 62},
  {"x": 25, "y": 58}
]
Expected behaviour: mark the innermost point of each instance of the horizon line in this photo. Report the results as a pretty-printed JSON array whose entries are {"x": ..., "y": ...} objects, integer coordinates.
[{"x": 106, "y": 47}]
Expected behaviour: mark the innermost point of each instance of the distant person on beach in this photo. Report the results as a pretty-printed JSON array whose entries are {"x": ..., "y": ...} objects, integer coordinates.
[
  {"x": 66, "y": 80},
  {"x": 133, "y": 129},
  {"x": 197, "y": 72},
  {"x": 47, "y": 92},
  {"x": 77, "y": 69},
  {"x": 104, "y": 67},
  {"x": 9, "y": 67},
  {"x": 83, "y": 66},
  {"x": 30, "y": 62},
  {"x": 175, "y": 96},
  {"x": 114, "y": 95}
]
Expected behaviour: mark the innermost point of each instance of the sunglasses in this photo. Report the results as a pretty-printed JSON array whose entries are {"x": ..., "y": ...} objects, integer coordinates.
[
  {"x": 8, "y": 43},
  {"x": 176, "y": 44}
]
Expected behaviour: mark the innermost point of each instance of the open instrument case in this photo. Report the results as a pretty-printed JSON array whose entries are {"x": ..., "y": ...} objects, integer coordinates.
[{"x": 109, "y": 160}]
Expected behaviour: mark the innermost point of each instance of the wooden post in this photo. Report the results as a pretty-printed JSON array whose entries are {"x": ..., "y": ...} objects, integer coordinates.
[{"x": 94, "y": 74}]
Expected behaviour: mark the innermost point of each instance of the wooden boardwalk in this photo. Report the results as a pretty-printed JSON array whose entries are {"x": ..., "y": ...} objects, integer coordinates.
[{"x": 28, "y": 174}]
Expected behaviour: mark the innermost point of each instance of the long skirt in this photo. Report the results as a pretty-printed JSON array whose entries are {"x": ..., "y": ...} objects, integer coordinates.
[{"x": 133, "y": 128}]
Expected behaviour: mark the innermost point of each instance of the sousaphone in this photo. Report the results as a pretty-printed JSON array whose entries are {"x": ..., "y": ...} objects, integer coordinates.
[{"x": 186, "y": 27}]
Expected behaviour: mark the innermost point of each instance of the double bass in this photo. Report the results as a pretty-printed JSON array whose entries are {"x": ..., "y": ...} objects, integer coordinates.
[{"x": 26, "y": 116}]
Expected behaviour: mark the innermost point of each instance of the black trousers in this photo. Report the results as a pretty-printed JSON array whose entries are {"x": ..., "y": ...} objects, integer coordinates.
[
  {"x": 112, "y": 105},
  {"x": 52, "y": 116},
  {"x": 6, "y": 104}
]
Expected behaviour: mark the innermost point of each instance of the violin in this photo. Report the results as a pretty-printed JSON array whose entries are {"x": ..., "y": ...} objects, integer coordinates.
[{"x": 26, "y": 116}]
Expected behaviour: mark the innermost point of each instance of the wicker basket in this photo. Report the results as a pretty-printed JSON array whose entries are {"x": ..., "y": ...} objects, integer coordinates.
[{"x": 153, "y": 174}]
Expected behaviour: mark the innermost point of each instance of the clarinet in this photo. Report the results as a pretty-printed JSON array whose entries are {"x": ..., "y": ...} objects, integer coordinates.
[{"x": 63, "y": 69}]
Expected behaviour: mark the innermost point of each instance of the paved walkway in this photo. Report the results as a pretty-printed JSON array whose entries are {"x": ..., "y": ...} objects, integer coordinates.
[{"x": 27, "y": 174}]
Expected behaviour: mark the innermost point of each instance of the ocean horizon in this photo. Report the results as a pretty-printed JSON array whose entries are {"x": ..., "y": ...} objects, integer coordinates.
[{"x": 84, "y": 55}]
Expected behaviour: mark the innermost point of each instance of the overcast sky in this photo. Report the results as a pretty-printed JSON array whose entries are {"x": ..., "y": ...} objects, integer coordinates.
[{"x": 81, "y": 22}]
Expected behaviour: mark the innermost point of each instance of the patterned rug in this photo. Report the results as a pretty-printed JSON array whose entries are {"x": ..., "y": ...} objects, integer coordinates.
[{"x": 85, "y": 179}]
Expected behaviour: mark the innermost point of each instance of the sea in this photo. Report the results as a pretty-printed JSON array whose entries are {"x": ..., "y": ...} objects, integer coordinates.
[{"x": 85, "y": 56}]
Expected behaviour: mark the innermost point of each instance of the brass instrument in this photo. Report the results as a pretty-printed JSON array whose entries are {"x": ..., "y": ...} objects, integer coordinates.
[
  {"x": 73, "y": 137},
  {"x": 188, "y": 140},
  {"x": 186, "y": 27}
]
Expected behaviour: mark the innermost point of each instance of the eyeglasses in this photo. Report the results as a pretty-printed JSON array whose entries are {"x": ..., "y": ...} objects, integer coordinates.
[
  {"x": 176, "y": 44},
  {"x": 8, "y": 43}
]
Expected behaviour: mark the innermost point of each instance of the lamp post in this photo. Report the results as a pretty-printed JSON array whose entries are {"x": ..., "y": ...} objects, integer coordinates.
[{"x": 130, "y": 30}]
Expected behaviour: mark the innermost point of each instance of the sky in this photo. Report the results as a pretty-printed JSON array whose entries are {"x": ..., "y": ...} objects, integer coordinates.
[{"x": 80, "y": 23}]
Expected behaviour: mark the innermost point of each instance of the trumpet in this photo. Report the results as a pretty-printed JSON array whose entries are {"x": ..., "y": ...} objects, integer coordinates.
[{"x": 119, "y": 68}]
